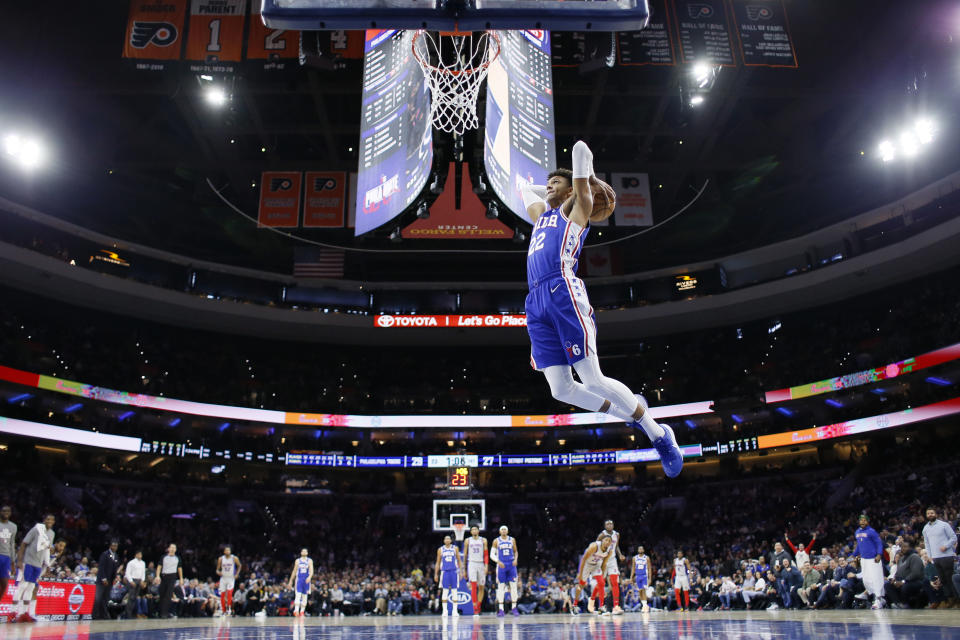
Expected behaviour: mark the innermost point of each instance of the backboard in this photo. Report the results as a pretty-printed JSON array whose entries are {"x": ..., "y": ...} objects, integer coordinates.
[
  {"x": 448, "y": 512},
  {"x": 465, "y": 15}
]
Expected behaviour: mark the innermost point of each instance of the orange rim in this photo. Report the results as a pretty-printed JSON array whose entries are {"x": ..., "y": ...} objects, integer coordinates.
[{"x": 455, "y": 72}]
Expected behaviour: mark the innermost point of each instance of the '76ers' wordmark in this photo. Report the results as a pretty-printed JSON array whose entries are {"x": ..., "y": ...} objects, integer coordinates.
[{"x": 162, "y": 34}]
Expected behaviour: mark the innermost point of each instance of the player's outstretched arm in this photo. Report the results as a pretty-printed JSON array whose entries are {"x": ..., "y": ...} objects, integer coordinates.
[
  {"x": 533, "y": 200},
  {"x": 579, "y": 207}
]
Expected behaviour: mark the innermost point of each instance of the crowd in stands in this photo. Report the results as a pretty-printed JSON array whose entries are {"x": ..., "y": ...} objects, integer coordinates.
[
  {"x": 736, "y": 532},
  {"x": 129, "y": 355}
]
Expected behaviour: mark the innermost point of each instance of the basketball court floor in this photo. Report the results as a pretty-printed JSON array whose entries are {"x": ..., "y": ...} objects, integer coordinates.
[{"x": 758, "y": 625}]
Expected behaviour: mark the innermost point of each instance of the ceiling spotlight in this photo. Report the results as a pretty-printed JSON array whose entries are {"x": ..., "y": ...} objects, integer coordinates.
[
  {"x": 702, "y": 74},
  {"x": 925, "y": 130},
  {"x": 27, "y": 152},
  {"x": 395, "y": 235},
  {"x": 481, "y": 187},
  {"x": 423, "y": 211},
  {"x": 492, "y": 211},
  {"x": 909, "y": 144},
  {"x": 695, "y": 100},
  {"x": 886, "y": 151},
  {"x": 519, "y": 236},
  {"x": 215, "y": 96}
]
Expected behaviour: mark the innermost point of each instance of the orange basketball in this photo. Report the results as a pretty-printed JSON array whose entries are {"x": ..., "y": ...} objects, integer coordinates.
[{"x": 604, "y": 200}]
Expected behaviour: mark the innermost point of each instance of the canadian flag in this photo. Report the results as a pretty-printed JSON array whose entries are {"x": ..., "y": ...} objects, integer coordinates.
[{"x": 596, "y": 262}]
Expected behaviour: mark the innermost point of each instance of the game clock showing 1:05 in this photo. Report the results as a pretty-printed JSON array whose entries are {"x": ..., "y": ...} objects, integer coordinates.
[{"x": 458, "y": 479}]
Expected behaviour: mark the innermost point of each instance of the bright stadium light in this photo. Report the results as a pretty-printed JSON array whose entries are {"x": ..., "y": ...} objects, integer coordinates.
[
  {"x": 702, "y": 74},
  {"x": 909, "y": 144},
  {"x": 215, "y": 96},
  {"x": 887, "y": 151},
  {"x": 26, "y": 151},
  {"x": 696, "y": 100},
  {"x": 925, "y": 130}
]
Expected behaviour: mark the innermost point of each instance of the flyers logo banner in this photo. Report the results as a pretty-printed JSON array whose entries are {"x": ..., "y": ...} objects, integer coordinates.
[
  {"x": 272, "y": 45},
  {"x": 633, "y": 199},
  {"x": 279, "y": 199},
  {"x": 324, "y": 199},
  {"x": 763, "y": 32},
  {"x": 758, "y": 12},
  {"x": 216, "y": 34},
  {"x": 154, "y": 29}
]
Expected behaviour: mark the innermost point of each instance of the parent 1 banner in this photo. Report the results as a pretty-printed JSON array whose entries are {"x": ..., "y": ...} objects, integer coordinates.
[
  {"x": 764, "y": 33},
  {"x": 704, "y": 33},
  {"x": 155, "y": 32},
  {"x": 324, "y": 198},
  {"x": 215, "y": 40},
  {"x": 279, "y": 199},
  {"x": 633, "y": 199}
]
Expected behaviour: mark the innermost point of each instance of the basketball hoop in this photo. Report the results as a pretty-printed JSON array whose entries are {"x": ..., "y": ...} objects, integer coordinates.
[
  {"x": 455, "y": 64},
  {"x": 458, "y": 530}
]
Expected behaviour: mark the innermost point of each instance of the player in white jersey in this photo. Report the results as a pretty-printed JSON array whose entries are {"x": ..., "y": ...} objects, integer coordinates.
[
  {"x": 593, "y": 562},
  {"x": 681, "y": 581},
  {"x": 302, "y": 574},
  {"x": 478, "y": 556},
  {"x": 640, "y": 573},
  {"x": 612, "y": 571},
  {"x": 228, "y": 568}
]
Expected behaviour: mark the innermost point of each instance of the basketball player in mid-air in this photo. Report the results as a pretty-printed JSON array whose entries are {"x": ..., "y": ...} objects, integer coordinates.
[
  {"x": 611, "y": 570},
  {"x": 301, "y": 576},
  {"x": 640, "y": 574},
  {"x": 447, "y": 572},
  {"x": 228, "y": 568},
  {"x": 477, "y": 556},
  {"x": 681, "y": 581},
  {"x": 505, "y": 548},
  {"x": 560, "y": 320},
  {"x": 593, "y": 562}
]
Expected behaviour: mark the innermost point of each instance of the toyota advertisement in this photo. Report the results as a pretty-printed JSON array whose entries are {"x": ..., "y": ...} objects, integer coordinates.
[
  {"x": 56, "y": 601},
  {"x": 470, "y": 321}
]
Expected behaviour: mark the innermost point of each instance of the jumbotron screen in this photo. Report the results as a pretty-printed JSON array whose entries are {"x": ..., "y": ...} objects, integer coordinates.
[
  {"x": 396, "y": 138},
  {"x": 519, "y": 140}
]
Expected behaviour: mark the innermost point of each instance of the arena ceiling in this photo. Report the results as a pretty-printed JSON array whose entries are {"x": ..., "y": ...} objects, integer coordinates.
[{"x": 784, "y": 150}]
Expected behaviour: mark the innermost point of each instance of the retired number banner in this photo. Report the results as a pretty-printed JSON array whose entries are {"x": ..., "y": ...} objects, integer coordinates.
[
  {"x": 279, "y": 199},
  {"x": 155, "y": 32},
  {"x": 633, "y": 199},
  {"x": 216, "y": 34},
  {"x": 324, "y": 198},
  {"x": 271, "y": 45}
]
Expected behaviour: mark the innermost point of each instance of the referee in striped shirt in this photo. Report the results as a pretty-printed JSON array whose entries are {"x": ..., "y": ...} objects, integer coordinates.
[{"x": 170, "y": 571}]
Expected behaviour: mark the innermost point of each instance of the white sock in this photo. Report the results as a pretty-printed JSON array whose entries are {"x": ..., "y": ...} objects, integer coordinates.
[
  {"x": 21, "y": 608},
  {"x": 653, "y": 430},
  {"x": 513, "y": 594},
  {"x": 623, "y": 403},
  {"x": 33, "y": 608}
]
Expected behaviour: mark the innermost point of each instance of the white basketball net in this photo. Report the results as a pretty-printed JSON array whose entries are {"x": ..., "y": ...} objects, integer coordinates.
[
  {"x": 455, "y": 65},
  {"x": 458, "y": 531}
]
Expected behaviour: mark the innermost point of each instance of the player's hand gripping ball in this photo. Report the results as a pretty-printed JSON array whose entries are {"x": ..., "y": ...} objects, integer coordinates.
[{"x": 604, "y": 200}]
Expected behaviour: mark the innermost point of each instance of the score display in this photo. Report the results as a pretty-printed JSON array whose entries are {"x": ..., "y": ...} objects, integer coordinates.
[
  {"x": 519, "y": 143},
  {"x": 396, "y": 138},
  {"x": 458, "y": 479}
]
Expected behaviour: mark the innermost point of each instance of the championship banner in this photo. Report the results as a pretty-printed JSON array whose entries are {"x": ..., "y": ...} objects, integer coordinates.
[
  {"x": 324, "y": 198},
  {"x": 155, "y": 32},
  {"x": 764, "y": 33},
  {"x": 274, "y": 46},
  {"x": 633, "y": 199},
  {"x": 448, "y": 222},
  {"x": 279, "y": 199},
  {"x": 704, "y": 35},
  {"x": 651, "y": 46},
  {"x": 216, "y": 34},
  {"x": 56, "y": 600}
]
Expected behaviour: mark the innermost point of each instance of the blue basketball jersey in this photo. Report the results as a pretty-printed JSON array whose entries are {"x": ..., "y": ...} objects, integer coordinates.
[
  {"x": 448, "y": 558},
  {"x": 555, "y": 244},
  {"x": 640, "y": 564},
  {"x": 505, "y": 550},
  {"x": 303, "y": 569}
]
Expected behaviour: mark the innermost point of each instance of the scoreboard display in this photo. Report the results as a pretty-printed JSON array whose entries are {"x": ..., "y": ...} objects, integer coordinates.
[
  {"x": 396, "y": 138},
  {"x": 458, "y": 479},
  {"x": 519, "y": 141}
]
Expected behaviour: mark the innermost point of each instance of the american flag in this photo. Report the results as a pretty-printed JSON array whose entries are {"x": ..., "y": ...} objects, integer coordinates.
[{"x": 317, "y": 262}]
